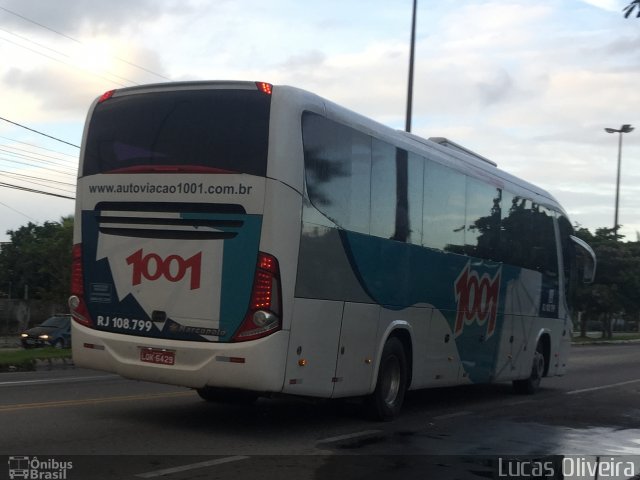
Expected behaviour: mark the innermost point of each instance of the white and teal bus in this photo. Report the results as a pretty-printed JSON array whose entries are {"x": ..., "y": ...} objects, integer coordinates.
[{"x": 245, "y": 239}]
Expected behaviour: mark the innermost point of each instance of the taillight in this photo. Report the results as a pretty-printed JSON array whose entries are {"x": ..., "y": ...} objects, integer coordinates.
[
  {"x": 106, "y": 96},
  {"x": 77, "y": 305},
  {"x": 265, "y": 87},
  {"x": 264, "y": 315}
]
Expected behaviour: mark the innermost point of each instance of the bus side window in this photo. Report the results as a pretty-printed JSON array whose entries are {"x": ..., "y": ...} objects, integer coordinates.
[
  {"x": 482, "y": 235},
  {"x": 415, "y": 186},
  {"x": 383, "y": 189},
  {"x": 527, "y": 236},
  {"x": 338, "y": 171},
  {"x": 444, "y": 206}
]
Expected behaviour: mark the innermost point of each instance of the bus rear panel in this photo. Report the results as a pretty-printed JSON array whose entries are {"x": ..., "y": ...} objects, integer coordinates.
[{"x": 166, "y": 257}]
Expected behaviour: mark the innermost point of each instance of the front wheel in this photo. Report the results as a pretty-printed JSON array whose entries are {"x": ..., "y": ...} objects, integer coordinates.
[
  {"x": 531, "y": 384},
  {"x": 386, "y": 400}
]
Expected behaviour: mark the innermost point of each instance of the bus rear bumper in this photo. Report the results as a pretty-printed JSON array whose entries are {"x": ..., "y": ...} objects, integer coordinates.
[{"x": 257, "y": 365}]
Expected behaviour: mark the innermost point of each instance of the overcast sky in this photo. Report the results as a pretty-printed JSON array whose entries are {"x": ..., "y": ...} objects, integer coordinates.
[{"x": 528, "y": 84}]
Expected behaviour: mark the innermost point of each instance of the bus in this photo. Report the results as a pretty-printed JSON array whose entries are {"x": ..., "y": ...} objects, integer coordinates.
[{"x": 245, "y": 239}]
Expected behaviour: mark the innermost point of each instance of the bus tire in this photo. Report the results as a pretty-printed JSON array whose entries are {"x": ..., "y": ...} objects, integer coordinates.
[
  {"x": 531, "y": 384},
  {"x": 386, "y": 400},
  {"x": 230, "y": 396}
]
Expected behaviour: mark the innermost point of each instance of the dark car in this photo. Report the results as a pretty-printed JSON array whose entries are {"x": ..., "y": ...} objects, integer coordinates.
[{"x": 54, "y": 331}]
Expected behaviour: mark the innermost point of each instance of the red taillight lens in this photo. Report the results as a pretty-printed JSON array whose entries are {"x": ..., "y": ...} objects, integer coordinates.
[
  {"x": 264, "y": 315},
  {"x": 77, "y": 305},
  {"x": 106, "y": 96},
  {"x": 265, "y": 87},
  {"x": 77, "y": 283}
]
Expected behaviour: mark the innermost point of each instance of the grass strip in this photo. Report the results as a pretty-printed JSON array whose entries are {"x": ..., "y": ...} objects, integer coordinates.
[{"x": 25, "y": 359}]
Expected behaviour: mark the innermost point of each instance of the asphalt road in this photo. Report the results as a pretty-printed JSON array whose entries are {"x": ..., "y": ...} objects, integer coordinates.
[{"x": 593, "y": 410}]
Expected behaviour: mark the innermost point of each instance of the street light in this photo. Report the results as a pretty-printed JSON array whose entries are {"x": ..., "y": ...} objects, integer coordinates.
[{"x": 623, "y": 129}]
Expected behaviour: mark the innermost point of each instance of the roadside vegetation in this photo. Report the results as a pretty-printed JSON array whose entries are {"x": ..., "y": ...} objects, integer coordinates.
[
  {"x": 12, "y": 359},
  {"x": 612, "y": 301}
]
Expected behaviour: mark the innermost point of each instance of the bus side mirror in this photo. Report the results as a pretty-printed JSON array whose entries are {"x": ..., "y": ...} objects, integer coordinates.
[{"x": 586, "y": 260}]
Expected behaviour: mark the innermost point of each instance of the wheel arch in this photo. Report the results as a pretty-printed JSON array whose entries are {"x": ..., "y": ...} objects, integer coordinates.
[
  {"x": 403, "y": 331},
  {"x": 544, "y": 338}
]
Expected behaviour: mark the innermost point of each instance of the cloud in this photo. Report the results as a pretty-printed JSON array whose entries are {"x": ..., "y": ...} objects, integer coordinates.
[
  {"x": 59, "y": 93},
  {"x": 72, "y": 17},
  {"x": 55, "y": 90},
  {"x": 609, "y": 5}
]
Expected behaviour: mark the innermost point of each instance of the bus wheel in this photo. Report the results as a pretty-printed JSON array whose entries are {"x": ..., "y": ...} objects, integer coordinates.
[
  {"x": 531, "y": 384},
  {"x": 386, "y": 400},
  {"x": 223, "y": 395}
]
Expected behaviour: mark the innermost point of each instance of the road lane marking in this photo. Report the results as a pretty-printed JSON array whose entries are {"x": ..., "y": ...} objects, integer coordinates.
[
  {"x": 351, "y": 436},
  {"x": 90, "y": 401},
  {"x": 518, "y": 402},
  {"x": 193, "y": 466},
  {"x": 14, "y": 383},
  {"x": 452, "y": 415},
  {"x": 603, "y": 387}
]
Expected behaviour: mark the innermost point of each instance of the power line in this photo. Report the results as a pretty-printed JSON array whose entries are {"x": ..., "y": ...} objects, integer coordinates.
[
  {"x": 58, "y": 52},
  {"x": 31, "y": 153},
  {"x": 2, "y": 159},
  {"x": 45, "y": 185},
  {"x": 24, "y": 156},
  {"x": 38, "y": 24},
  {"x": 68, "y": 64},
  {"x": 35, "y": 43},
  {"x": 10, "y": 156},
  {"x": 36, "y": 146},
  {"x": 80, "y": 43},
  {"x": 39, "y": 133},
  {"x": 18, "y": 211},
  {"x": 23, "y": 176},
  {"x": 33, "y": 190}
]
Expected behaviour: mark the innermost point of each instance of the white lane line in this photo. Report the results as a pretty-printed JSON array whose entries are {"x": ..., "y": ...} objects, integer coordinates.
[
  {"x": 351, "y": 436},
  {"x": 452, "y": 415},
  {"x": 603, "y": 387},
  {"x": 192, "y": 466},
  {"x": 57, "y": 380},
  {"x": 518, "y": 402}
]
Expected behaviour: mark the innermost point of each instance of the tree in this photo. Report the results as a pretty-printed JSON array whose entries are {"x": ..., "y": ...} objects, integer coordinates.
[
  {"x": 38, "y": 258},
  {"x": 614, "y": 293},
  {"x": 631, "y": 7}
]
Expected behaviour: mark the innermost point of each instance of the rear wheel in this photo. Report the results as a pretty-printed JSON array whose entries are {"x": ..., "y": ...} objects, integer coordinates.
[
  {"x": 386, "y": 401},
  {"x": 224, "y": 395},
  {"x": 531, "y": 384}
]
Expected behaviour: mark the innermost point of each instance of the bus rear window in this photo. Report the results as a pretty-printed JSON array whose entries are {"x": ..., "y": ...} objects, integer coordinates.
[{"x": 225, "y": 130}]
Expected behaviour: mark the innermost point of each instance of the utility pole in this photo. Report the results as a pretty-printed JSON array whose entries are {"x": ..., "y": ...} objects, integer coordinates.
[{"x": 411, "y": 61}]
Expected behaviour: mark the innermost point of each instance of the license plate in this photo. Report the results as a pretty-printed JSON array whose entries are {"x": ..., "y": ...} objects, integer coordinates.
[{"x": 159, "y": 356}]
